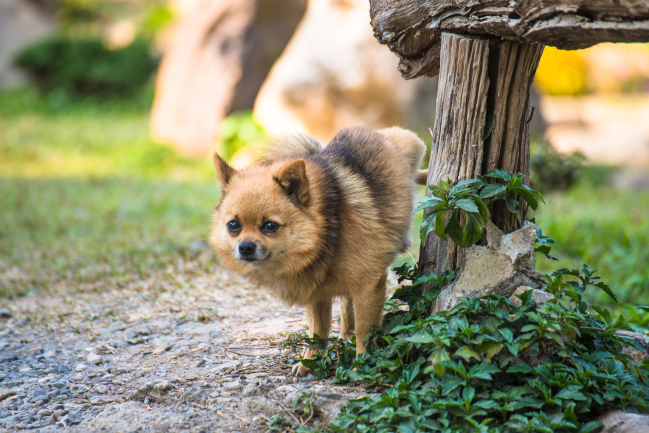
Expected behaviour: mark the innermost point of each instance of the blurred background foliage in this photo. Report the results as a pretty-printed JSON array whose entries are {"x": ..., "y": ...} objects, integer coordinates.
[{"x": 88, "y": 199}]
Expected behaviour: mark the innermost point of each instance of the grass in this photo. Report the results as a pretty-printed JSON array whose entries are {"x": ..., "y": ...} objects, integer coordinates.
[
  {"x": 608, "y": 229},
  {"x": 86, "y": 196}
]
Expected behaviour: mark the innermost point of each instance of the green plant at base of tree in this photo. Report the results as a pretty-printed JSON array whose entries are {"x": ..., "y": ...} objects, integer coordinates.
[{"x": 473, "y": 198}]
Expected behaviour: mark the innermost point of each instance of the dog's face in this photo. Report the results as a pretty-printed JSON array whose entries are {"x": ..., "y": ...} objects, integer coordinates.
[{"x": 261, "y": 227}]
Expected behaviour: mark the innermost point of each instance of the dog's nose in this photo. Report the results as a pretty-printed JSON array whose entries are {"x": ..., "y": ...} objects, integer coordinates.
[{"x": 247, "y": 249}]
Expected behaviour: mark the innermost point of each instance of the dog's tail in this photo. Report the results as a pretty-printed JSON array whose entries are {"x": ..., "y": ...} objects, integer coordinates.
[
  {"x": 290, "y": 145},
  {"x": 422, "y": 177}
]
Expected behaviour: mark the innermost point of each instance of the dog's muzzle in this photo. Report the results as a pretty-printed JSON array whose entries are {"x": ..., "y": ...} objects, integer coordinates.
[{"x": 249, "y": 252}]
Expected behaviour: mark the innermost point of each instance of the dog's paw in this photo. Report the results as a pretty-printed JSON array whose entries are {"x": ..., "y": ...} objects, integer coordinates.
[{"x": 300, "y": 370}]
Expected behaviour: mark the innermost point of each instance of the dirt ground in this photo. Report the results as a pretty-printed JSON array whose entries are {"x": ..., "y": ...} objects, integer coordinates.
[{"x": 195, "y": 352}]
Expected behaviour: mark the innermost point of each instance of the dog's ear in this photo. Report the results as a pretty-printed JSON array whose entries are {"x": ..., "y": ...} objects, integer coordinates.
[
  {"x": 223, "y": 171},
  {"x": 292, "y": 178}
]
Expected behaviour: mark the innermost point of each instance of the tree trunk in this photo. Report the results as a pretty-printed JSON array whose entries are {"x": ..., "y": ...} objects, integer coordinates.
[{"x": 484, "y": 91}]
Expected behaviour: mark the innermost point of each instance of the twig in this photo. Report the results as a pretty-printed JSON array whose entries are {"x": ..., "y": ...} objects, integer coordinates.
[
  {"x": 290, "y": 413},
  {"x": 430, "y": 130},
  {"x": 309, "y": 418},
  {"x": 198, "y": 405}
]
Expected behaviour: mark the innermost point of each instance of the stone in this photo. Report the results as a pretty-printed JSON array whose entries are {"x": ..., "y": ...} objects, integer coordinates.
[
  {"x": 326, "y": 80},
  {"x": 640, "y": 340},
  {"x": 214, "y": 333},
  {"x": 250, "y": 390},
  {"x": 623, "y": 422},
  {"x": 5, "y": 393},
  {"x": 152, "y": 391},
  {"x": 5, "y": 313},
  {"x": 538, "y": 296},
  {"x": 95, "y": 359},
  {"x": 80, "y": 367},
  {"x": 238, "y": 41},
  {"x": 506, "y": 263},
  {"x": 232, "y": 386},
  {"x": 102, "y": 388}
]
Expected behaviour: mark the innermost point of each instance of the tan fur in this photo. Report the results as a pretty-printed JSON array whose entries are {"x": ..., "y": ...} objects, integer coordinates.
[{"x": 300, "y": 263}]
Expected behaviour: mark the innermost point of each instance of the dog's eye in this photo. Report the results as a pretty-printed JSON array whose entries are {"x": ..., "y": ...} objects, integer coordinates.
[
  {"x": 270, "y": 227},
  {"x": 234, "y": 226}
]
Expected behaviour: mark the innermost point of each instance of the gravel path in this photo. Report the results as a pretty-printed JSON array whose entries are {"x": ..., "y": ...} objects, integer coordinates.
[{"x": 188, "y": 351}]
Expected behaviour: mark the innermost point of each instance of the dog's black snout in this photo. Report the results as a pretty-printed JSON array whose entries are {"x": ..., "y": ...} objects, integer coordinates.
[{"x": 247, "y": 249}]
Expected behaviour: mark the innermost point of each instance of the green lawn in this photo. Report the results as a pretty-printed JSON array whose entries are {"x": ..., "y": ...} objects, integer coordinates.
[{"x": 87, "y": 197}]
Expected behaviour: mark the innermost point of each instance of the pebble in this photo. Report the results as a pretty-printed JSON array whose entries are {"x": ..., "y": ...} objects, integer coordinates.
[
  {"x": 102, "y": 388},
  {"x": 95, "y": 359},
  {"x": 80, "y": 367},
  {"x": 6, "y": 313},
  {"x": 214, "y": 333},
  {"x": 250, "y": 390},
  {"x": 6, "y": 393},
  {"x": 201, "y": 363},
  {"x": 232, "y": 386}
]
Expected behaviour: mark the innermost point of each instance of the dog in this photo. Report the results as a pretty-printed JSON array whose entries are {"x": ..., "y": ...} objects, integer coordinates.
[{"x": 312, "y": 222}]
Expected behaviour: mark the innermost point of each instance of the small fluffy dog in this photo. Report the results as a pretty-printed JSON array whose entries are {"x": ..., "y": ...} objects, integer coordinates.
[{"x": 313, "y": 222}]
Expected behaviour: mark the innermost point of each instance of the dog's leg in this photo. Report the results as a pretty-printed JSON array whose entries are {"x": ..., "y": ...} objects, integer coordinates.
[
  {"x": 346, "y": 317},
  {"x": 318, "y": 315},
  {"x": 368, "y": 306}
]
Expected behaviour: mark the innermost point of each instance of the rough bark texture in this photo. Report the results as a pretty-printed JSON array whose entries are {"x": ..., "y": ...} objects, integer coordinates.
[
  {"x": 221, "y": 53},
  {"x": 484, "y": 90},
  {"x": 412, "y": 28}
]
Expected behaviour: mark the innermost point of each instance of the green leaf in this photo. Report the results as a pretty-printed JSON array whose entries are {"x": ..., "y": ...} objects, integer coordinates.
[
  {"x": 492, "y": 190},
  {"x": 436, "y": 358},
  {"x": 520, "y": 368},
  {"x": 606, "y": 289},
  {"x": 422, "y": 337},
  {"x": 466, "y": 353},
  {"x": 482, "y": 207},
  {"x": 513, "y": 206},
  {"x": 467, "y": 205},
  {"x": 498, "y": 174},
  {"x": 426, "y": 202},
  {"x": 454, "y": 229},
  {"x": 440, "y": 229},
  {"x": 473, "y": 229},
  {"x": 530, "y": 198},
  {"x": 488, "y": 349},
  {"x": 426, "y": 279},
  {"x": 643, "y": 308},
  {"x": 589, "y": 427},
  {"x": 450, "y": 384}
]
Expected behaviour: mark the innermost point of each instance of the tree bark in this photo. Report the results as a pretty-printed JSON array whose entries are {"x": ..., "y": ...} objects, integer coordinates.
[{"x": 483, "y": 110}]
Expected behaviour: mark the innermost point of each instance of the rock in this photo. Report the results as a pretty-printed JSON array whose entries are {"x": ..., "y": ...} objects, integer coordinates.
[
  {"x": 232, "y": 386},
  {"x": 260, "y": 404},
  {"x": 201, "y": 363},
  {"x": 153, "y": 391},
  {"x": 95, "y": 359},
  {"x": 640, "y": 340},
  {"x": 102, "y": 388},
  {"x": 238, "y": 41},
  {"x": 250, "y": 390},
  {"x": 214, "y": 333},
  {"x": 80, "y": 367},
  {"x": 538, "y": 296},
  {"x": 6, "y": 393},
  {"x": 623, "y": 422},
  {"x": 506, "y": 263},
  {"x": 5, "y": 313},
  {"x": 326, "y": 80}
]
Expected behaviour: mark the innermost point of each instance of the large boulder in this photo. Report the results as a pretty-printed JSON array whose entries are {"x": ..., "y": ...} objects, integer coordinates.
[
  {"x": 217, "y": 60},
  {"x": 500, "y": 268},
  {"x": 335, "y": 74},
  {"x": 21, "y": 23},
  {"x": 624, "y": 422}
]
